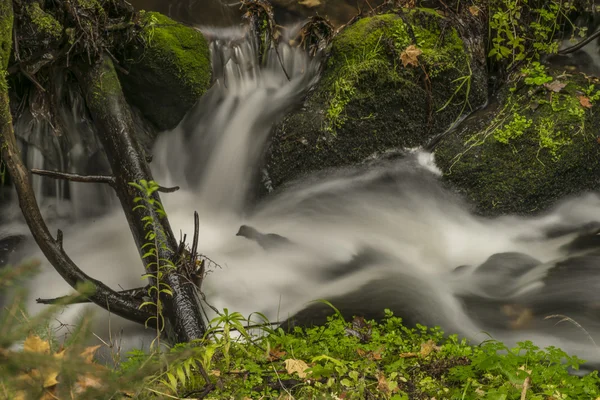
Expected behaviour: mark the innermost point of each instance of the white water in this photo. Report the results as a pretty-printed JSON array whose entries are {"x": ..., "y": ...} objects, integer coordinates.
[{"x": 396, "y": 209}]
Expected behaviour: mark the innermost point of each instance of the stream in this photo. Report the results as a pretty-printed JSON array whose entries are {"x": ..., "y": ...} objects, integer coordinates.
[{"x": 384, "y": 234}]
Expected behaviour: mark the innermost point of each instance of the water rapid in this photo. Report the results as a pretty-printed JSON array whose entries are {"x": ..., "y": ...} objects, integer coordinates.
[{"x": 385, "y": 234}]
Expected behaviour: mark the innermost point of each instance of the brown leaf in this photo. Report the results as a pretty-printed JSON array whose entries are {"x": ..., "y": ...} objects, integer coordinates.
[
  {"x": 410, "y": 56},
  {"x": 370, "y": 355},
  {"x": 555, "y": 86},
  {"x": 310, "y": 3},
  {"x": 297, "y": 366},
  {"x": 35, "y": 344},
  {"x": 382, "y": 384},
  {"x": 275, "y": 354},
  {"x": 474, "y": 10},
  {"x": 428, "y": 347},
  {"x": 585, "y": 101}
]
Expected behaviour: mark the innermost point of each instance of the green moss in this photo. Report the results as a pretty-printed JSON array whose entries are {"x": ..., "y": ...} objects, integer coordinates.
[
  {"x": 106, "y": 85},
  {"x": 45, "y": 23},
  {"x": 538, "y": 147},
  {"x": 178, "y": 46},
  {"x": 169, "y": 69},
  {"x": 373, "y": 46},
  {"x": 93, "y": 6},
  {"x": 368, "y": 102},
  {"x": 6, "y": 23}
]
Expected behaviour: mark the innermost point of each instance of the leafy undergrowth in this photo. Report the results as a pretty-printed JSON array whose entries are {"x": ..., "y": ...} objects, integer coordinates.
[{"x": 341, "y": 360}]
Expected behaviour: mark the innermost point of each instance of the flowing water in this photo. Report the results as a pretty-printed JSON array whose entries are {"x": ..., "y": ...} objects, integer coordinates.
[{"x": 385, "y": 234}]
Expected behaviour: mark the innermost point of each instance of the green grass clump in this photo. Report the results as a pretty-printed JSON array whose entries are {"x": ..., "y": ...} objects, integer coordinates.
[
  {"x": 364, "y": 359},
  {"x": 355, "y": 359}
]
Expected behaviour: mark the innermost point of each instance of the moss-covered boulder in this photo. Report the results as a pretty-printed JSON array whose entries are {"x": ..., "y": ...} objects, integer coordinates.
[
  {"x": 539, "y": 144},
  {"x": 169, "y": 69},
  {"x": 391, "y": 80}
]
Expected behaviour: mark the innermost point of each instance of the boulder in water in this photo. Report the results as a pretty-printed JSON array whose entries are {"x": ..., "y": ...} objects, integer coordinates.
[
  {"x": 390, "y": 81},
  {"x": 168, "y": 71},
  {"x": 536, "y": 145}
]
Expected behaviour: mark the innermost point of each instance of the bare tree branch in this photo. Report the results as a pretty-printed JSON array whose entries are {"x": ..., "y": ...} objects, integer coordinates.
[
  {"x": 52, "y": 248},
  {"x": 75, "y": 177}
]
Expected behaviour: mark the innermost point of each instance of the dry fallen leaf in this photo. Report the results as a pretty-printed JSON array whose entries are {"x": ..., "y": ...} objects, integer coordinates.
[
  {"x": 310, "y": 3},
  {"x": 85, "y": 382},
  {"x": 585, "y": 102},
  {"x": 382, "y": 384},
  {"x": 35, "y": 344},
  {"x": 370, "y": 355},
  {"x": 410, "y": 56},
  {"x": 88, "y": 353},
  {"x": 297, "y": 366},
  {"x": 275, "y": 354},
  {"x": 555, "y": 86},
  {"x": 428, "y": 347},
  {"x": 474, "y": 10}
]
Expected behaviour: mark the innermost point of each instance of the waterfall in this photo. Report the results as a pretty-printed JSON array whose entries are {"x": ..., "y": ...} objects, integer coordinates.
[{"x": 386, "y": 232}]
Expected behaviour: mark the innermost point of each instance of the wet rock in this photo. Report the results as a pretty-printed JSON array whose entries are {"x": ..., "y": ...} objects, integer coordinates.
[
  {"x": 535, "y": 145},
  {"x": 390, "y": 81},
  {"x": 169, "y": 69}
]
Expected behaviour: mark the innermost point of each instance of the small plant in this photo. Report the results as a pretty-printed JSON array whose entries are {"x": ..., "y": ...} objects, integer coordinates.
[
  {"x": 535, "y": 74},
  {"x": 513, "y": 129},
  {"x": 514, "y": 41},
  {"x": 157, "y": 267}
]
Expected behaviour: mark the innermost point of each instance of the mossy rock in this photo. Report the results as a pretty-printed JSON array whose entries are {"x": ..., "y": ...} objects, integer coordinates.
[
  {"x": 41, "y": 29},
  {"x": 368, "y": 101},
  {"x": 530, "y": 149},
  {"x": 169, "y": 69}
]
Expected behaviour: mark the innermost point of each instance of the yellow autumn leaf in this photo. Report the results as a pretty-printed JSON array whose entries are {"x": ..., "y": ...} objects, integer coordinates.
[
  {"x": 410, "y": 56},
  {"x": 428, "y": 347},
  {"x": 35, "y": 344},
  {"x": 88, "y": 353},
  {"x": 297, "y": 366}
]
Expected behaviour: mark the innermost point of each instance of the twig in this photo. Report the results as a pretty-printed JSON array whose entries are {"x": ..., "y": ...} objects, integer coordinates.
[
  {"x": 116, "y": 63},
  {"x": 579, "y": 45},
  {"x": 131, "y": 293},
  {"x": 195, "y": 240},
  {"x": 75, "y": 177},
  {"x": 33, "y": 80},
  {"x": 168, "y": 189}
]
